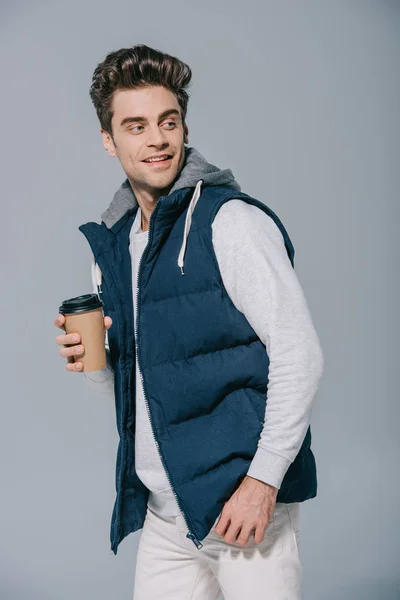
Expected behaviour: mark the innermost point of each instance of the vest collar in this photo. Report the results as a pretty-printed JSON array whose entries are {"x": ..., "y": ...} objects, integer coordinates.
[{"x": 188, "y": 221}]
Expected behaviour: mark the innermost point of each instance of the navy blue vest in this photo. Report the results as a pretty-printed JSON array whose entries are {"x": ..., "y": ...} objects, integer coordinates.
[{"x": 203, "y": 367}]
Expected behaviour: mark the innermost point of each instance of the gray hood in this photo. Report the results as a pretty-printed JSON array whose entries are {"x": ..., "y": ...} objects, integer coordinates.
[{"x": 195, "y": 168}]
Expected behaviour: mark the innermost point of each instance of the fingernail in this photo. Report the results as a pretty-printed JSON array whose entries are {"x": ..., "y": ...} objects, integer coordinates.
[{"x": 75, "y": 338}]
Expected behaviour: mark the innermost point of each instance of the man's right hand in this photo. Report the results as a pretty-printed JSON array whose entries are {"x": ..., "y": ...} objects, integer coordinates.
[{"x": 71, "y": 343}]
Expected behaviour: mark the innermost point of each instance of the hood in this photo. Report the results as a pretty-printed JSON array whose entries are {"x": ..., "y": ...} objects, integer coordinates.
[
  {"x": 196, "y": 172},
  {"x": 195, "y": 168}
]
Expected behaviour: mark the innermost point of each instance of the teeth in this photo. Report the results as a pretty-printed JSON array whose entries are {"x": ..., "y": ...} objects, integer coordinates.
[{"x": 156, "y": 159}]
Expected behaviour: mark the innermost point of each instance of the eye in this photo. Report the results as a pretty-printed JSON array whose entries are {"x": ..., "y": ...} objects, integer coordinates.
[{"x": 171, "y": 123}]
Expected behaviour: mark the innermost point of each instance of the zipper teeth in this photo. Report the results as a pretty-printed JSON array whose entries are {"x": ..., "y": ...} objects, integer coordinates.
[
  {"x": 141, "y": 374},
  {"x": 113, "y": 525}
]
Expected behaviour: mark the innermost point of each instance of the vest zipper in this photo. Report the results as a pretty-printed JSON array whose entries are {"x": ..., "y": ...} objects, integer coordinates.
[
  {"x": 190, "y": 534},
  {"x": 113, "y": 525}
]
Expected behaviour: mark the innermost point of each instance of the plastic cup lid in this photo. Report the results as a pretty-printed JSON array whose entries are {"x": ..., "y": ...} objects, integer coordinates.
[{"x": 80, "y": 304}]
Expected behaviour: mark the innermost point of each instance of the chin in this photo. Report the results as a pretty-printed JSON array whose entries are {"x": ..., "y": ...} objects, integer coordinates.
[{"x": 167, "y": 178}]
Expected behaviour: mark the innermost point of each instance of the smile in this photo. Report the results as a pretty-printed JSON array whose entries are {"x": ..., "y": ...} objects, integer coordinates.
[{"x": 158, "y": 162}]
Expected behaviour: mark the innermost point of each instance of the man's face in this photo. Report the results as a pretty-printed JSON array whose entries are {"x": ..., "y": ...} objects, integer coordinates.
[{"x": 146, "y": 122}]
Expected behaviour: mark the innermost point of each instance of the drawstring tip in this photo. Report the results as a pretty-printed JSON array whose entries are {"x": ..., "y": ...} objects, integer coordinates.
[{"x": 182, "y": 272}]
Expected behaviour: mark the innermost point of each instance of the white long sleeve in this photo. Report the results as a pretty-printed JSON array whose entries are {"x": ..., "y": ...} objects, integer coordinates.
[{"x": 263, "y": 285}]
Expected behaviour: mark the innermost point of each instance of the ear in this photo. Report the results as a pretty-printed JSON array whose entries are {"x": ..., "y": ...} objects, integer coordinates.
[
  {"x": 186, "y": 135},
  {"x": 108, "y": 142}
]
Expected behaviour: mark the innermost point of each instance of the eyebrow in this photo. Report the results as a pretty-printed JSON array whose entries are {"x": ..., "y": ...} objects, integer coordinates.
[{"x": 165, "y": 113}]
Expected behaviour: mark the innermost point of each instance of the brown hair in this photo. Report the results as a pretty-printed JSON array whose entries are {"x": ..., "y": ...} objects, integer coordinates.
[{"x": 135, "y": 67}]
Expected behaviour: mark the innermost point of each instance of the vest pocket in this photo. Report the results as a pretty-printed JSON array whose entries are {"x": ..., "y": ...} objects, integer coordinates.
[{"x": 254, "y": 400}]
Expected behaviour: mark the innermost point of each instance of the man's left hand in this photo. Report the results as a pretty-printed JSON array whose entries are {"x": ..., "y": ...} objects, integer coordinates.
[{"x": 250, "y": 507}]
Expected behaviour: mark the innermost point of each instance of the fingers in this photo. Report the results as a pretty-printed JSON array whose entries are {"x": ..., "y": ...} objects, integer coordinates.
[
  {"x": 232, "y": 533},
  {"x": 224, "y": 520},
  {"x": 107, "y": 322},
  {"x": 67, "y": 351},
  {"x": 73, "y": 366},
  {"x": 60, "y": 321},
  {"x": 259, "y": 534},
  {"x": 70, "y": 345},
  {"x": 245, "y": 535},
  {"x": 69, "y": 338}
]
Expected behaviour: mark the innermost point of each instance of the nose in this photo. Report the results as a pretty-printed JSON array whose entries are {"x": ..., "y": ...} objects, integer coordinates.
[{"x": 157, "y": 137}]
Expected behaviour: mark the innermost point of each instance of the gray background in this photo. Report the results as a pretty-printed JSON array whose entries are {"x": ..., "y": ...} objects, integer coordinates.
[{"x": 301, "y": 101}]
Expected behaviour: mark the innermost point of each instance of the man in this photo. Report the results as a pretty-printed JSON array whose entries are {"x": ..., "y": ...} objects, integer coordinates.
[{"x": 211, "y": 353}]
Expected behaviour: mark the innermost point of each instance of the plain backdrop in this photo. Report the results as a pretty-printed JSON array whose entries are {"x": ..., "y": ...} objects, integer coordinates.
[{"x": 301, "y": 100}]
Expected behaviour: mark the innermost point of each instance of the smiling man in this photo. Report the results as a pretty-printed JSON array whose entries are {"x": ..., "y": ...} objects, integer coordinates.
[
  {"x": 212, "y": 355},
  {"x": 150, "y": 169}
]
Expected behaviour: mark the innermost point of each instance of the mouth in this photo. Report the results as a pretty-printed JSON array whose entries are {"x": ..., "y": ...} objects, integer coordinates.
[{"x": 162, "y": 161}]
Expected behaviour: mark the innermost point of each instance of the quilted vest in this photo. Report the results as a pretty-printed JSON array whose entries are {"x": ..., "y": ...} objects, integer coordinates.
[{"x": 204, "y": 369}]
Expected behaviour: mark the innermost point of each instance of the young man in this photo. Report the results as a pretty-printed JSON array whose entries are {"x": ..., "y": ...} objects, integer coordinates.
[{"x": 212, "y": 354}]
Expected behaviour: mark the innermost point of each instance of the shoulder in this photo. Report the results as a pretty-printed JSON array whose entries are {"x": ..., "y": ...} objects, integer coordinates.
[{"x": 240, "y": 216}]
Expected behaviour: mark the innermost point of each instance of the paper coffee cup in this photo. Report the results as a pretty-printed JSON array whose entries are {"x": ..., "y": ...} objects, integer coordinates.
[{"x": 84, "y": 315}]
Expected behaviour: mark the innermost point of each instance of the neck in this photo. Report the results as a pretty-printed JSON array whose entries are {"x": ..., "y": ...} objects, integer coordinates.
[
  {"x": 145, "y": 220},
  {"x": 147, "y": 200}
]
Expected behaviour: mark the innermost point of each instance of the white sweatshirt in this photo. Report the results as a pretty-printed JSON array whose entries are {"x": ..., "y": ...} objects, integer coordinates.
[{"x": 262, "y": 284}]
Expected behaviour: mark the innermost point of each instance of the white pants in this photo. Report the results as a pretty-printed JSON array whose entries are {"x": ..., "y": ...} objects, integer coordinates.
[{"x": 170, "y": 567}]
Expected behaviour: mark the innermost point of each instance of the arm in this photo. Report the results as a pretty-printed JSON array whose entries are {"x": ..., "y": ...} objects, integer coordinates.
[
  {"x": 103, "y": 379},
  {"x": 263, "y": 285}
]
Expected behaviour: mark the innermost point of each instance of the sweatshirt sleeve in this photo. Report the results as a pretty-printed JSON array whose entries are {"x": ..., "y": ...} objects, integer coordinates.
[
  {"x": 262, "y": 284},
  {"x": 103, "y": 379}
]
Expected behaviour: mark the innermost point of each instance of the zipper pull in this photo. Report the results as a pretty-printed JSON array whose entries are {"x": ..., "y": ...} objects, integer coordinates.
[{"x": 194, "y": 539}]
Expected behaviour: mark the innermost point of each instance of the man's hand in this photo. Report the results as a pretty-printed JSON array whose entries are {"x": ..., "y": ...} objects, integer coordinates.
[
  {"x": 71, "y": 343},
  {"x": 250, "y": 507}
]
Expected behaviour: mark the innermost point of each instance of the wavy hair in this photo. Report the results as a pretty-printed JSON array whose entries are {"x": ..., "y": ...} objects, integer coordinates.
[{"x": 139, "y": 66}]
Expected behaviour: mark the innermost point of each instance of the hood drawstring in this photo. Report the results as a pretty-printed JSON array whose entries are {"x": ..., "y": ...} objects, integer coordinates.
[
  {"x": 98, "y": 275},
  {"x": 188, "y": 221}
]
